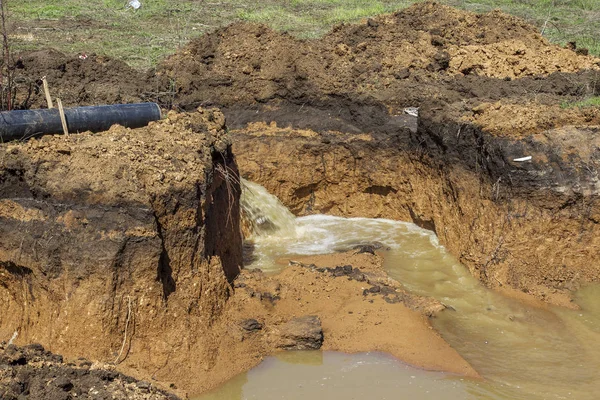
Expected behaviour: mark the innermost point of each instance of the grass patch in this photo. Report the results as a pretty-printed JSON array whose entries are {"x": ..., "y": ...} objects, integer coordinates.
[
  {"x": 313, "y": 18},
  {"x": 144, "y": 37},
  {"x": 589, "y": 102},
  {"x": 343, "y": 14}
]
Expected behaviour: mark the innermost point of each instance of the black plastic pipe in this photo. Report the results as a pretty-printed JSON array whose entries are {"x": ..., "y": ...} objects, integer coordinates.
[{"x": 25, "y": 124}]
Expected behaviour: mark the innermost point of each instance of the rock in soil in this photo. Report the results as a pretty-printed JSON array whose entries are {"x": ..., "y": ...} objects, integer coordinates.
[
  {"x": 302, "y": 333},
  {"x": 251, "y": 325}
]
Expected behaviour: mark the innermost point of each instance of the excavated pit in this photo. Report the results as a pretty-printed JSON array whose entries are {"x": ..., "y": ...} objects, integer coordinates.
[
  {"x": 123, "y": 246},
  {"x": 526, "y": 226},
  {"x": 491, "y": 91}
]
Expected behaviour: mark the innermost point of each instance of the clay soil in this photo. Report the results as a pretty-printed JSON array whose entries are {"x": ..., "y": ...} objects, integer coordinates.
[
  {"x": 360, "y": 309},
  {"x": 320, "y": 123}
]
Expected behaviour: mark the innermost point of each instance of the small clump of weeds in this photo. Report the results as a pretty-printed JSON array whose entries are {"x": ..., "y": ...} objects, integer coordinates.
[{"x": 585, "y": 103}]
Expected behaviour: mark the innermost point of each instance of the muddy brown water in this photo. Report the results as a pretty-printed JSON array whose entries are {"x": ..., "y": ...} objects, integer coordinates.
[{"x": 523, "y": 352}]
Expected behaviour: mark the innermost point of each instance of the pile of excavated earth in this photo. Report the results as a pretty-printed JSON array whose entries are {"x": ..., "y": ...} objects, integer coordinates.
[{"x": 125, "y": 247}]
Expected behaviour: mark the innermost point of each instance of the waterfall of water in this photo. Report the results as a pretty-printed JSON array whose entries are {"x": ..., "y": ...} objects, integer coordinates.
[{"x": 263, "y": 213}]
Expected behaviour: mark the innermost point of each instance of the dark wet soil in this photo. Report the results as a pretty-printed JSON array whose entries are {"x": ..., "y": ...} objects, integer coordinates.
[{"x": 31, "y": 372}]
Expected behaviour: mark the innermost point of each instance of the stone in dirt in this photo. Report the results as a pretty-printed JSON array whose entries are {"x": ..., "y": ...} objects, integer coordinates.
[
  {"x": 367, "y": 248},
  {"x": 251, "y": 325},
  {"x": 301, "y": 333}
]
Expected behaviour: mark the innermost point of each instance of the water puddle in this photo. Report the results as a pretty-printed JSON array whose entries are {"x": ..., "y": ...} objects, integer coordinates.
[
  {"x": 331, "y": 375},
  {"x": 523, "y": 352}
]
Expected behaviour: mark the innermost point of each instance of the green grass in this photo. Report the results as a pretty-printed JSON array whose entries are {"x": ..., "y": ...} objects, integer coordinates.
[
  {"x": 589, "y": 102},
  {"x": 144, "y": 37},
  {"x": 313, "y": 18}
]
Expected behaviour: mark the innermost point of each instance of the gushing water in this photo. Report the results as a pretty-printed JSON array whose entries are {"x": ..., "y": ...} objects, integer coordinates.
[
  {"x": 264, "y": 213},
  {"x": 523, "y": 352}
]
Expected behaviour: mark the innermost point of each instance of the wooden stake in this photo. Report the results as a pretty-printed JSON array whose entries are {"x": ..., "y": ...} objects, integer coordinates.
[
  {"x": 62, "y": 116},
  {"x": 47, "y": 91}
]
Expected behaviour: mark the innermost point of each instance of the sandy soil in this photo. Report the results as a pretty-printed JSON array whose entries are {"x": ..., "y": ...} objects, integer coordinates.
[
  {"x": 515, "y": 120},
  {"x": 389, "y": 319}
]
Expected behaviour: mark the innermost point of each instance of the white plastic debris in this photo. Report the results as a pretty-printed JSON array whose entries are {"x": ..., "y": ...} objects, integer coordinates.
[
  {"x": 414, "y": 111},
  {"x": 14, "y": 336},
  {"x": 135, "y": 4},
  {"x": 522, "y": 159}
]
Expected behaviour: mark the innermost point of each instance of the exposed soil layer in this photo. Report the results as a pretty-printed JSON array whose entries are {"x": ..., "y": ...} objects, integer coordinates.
[
  {"x": 521, "y": 120},
  {"x": 33, "y": 373},
  {"x": 120, "y": 246},
  {"x": 530, "y": 226}
]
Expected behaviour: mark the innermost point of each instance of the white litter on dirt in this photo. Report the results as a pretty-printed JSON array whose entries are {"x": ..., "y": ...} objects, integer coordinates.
[
  {"x": 135, "y": 4},
  {"x": 14, "y": 336},
  {"x": 522, "y": 159},
  {"x": 414, "y": 111}
]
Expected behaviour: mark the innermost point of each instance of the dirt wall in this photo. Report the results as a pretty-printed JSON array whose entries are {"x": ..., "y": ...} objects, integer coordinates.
[
  {"x": 120, "y": 246},
  {"x": 530, "y": 227}
]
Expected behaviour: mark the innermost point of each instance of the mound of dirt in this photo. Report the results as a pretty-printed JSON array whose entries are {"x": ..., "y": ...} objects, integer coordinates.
[
  {"x": 90, "y": 79},
  {"x": 516, "y": 59},
  {"x": 382, "y": 57},
  {"x": 33, "y": 373},
  {"x": 351, "y": 79},
  {"x": 507, "y": 119}
]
